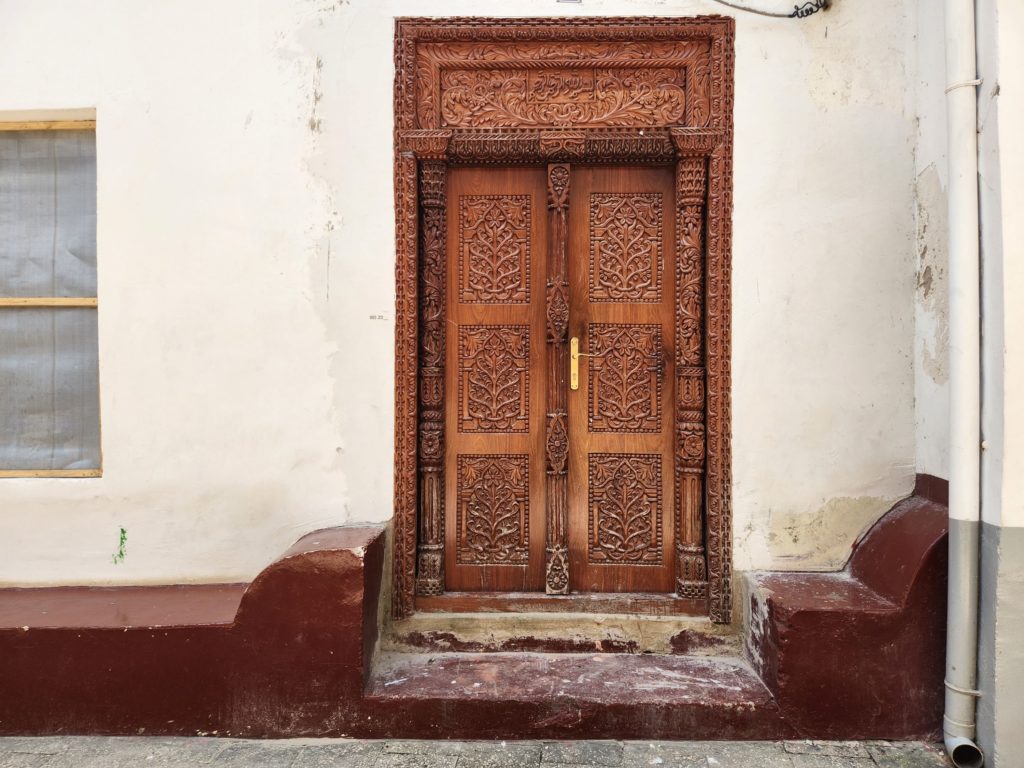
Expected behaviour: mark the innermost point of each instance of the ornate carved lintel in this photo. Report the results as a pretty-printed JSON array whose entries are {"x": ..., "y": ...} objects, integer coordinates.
[{"x": 596, "y": 145}]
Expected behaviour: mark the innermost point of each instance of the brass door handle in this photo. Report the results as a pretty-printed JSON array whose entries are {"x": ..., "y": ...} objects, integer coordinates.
[{"x": 574, "y": 362}]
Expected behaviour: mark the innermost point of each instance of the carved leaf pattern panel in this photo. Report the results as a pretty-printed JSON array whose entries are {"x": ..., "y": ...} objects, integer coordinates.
[
  {"x": 625, "y": 247},
  {"x": 494, "y": 249},
  {"x": 493, "y": 510},
  {"x": 563, "y": 97},
  {"x": 494, "y": 378},
  {"x": 625, "y": 509},
  {"x": 625, "y": 377}
]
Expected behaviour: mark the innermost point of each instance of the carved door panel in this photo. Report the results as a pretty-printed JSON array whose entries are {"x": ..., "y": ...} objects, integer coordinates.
[
  {"x": 622, "y": 299},
  {"x": 521, "y": 509},
  {"x": 494, "y": 488}
]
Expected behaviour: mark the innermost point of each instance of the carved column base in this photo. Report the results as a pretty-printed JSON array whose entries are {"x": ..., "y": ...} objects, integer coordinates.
[
  {"x": 557, "y": 574},
  {"x": 430, "y": 570},
  {"x": 691, "y": 573}
]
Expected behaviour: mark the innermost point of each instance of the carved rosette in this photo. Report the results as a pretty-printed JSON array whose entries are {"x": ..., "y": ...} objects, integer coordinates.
[
  {"x": 691, "y": 571},
  {"x": 430, "y": 558}
]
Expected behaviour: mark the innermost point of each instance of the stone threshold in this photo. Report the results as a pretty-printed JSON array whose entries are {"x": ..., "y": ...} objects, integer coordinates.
[{"x": 560, "y": 633}]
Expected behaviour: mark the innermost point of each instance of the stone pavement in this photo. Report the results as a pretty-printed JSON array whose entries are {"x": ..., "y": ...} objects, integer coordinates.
[{"x": 141, "y": 752}]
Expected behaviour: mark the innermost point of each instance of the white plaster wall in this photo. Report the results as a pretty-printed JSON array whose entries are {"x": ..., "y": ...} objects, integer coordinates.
[
  {"x": 931, "y": 306},
  {"x": 246, "y": 258}
]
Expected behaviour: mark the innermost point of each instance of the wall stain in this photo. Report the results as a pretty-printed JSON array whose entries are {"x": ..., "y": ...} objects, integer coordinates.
[
  {"x": 315, "y": 122},
  {"x": 122, "y": 545},
  {"x": 932, "y": 288},
  {"x": 821, "y": 540}
]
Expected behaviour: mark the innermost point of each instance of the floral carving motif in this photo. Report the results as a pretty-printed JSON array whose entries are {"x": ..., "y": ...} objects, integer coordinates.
[
  {"x": 558, "y": 186},
  {"x": 557, "y": 444},
  {"x": 625, "y": 247},
  {"x": 556, "y": 576},
  {"x": 494, "y": 249},
  {"x": 690, "y": 301},
  {"x": 625, "y": 508},
  {"x": 625, "y": 377},
  {"x": 563, "y": 97},
  {"x": 494, "y": 378},
  {"x": 563, "y": 144},
  {"x": 557, "y": 311},
  {"x": 493, "y": 510}
]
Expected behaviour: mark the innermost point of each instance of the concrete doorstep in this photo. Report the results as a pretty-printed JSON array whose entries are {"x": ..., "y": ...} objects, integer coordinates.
[{"x": 147, "y": 752}]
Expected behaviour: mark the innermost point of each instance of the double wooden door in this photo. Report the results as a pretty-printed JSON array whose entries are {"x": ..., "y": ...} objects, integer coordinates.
[{"x": 538, "y": 466}]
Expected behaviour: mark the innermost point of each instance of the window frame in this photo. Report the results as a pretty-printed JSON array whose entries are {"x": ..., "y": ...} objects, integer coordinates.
[{"x": 91, "y": 302}]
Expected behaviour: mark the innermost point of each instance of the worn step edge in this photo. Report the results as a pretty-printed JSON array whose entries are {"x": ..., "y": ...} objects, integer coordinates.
[{"x": 645, "y": 679}]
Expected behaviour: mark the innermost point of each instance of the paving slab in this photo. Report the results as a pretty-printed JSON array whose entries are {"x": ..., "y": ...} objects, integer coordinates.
[
  {"x": 829, "y": 748},
  {"x": 604, "y": 753},
  {"x": 136, "y": 752}
]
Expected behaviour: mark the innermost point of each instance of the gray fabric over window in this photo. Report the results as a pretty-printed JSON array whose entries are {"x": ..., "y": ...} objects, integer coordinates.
[
  {"x": 49, "y": 367},
  {"x": 47, "y": 213},
  {"x": 49, "y": 377}
]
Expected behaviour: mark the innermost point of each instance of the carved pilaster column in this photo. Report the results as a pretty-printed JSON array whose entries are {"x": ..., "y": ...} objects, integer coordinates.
[
  {"x": 430, "y": 549},
  {"x": 691, "y": 566},
  {"x": 557, "y": 428}
]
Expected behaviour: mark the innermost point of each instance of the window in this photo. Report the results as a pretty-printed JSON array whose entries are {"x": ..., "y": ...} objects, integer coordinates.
[{"x": 49, "y": 361}]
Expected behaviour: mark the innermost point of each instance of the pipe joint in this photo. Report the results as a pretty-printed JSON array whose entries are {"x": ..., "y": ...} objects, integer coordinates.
[{"x": 964, "y": 752}]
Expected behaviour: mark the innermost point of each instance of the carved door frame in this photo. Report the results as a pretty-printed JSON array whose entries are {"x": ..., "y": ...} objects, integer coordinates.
[{"x": 670, "y": 102}]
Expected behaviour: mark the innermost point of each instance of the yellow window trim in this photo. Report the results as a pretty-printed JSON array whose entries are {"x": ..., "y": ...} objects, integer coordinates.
[
  {"x": 48, "y": 301},
  {"x": 49, "y": 125},
  {"x": 51, "y": 473}
]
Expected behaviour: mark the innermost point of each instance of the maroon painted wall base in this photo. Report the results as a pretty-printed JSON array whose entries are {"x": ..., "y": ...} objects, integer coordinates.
[
  {"x": 860, "y": 653},
  {"x": 849, "y": 655},
  {"x": 285, "y": 656}
]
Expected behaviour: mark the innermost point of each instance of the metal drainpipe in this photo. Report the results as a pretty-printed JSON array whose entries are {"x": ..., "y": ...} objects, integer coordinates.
[{"x": 965, "y": 387}]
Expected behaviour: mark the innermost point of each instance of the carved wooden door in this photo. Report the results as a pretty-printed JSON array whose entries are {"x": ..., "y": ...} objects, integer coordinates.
[
  {"x": 622, "y": 298},
  {"x": 549, "y": 488},
  {"x": 494, "y": 379}
]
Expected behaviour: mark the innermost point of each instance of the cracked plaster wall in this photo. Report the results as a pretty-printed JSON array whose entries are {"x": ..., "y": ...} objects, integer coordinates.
[{"x": 246, "y": 275}]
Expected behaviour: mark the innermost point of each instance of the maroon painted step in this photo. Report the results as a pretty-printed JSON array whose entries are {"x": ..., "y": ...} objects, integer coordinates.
[
  {"x": 568, "y": 695},
  {"x": 860, "y": 653}
]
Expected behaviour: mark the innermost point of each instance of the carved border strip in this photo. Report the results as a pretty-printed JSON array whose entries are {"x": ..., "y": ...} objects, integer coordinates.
[
  {"x": 610, "y": 145},
  {"x": 718, "y": 315},
  {"x": 690, "y": 431},
  {"x": 434, "y": 252},
  {"x": 531, "y": 145},
  {"x": 556, "y": 550}
]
